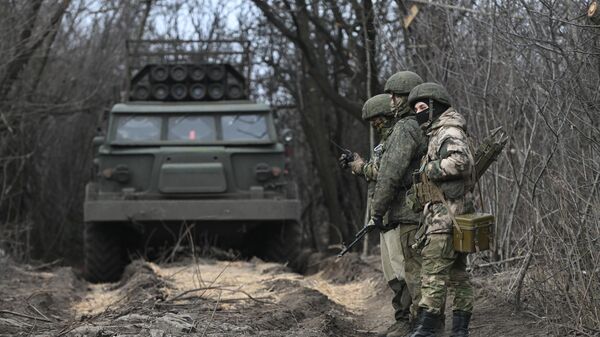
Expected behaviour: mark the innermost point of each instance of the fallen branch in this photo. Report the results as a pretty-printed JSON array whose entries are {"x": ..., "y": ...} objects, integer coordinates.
[
  {"x": 227, "y": 300},
  {"x": 39, "y": 312},
  {"x": 24, "y": 316},
  {"x": 496, "y": 263},
  {"x": 212, "y": 316},
  {"x": 45, "y": 265},
  {"x": 215, "y": 288}
]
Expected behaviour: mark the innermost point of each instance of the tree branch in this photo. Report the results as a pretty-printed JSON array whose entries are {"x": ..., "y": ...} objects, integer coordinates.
[{"x": 301, "y": 40}]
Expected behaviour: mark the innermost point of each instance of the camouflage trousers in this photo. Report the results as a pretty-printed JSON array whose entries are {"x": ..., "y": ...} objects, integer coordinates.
[
  {"x": 401, "y": 269},
  {"x": 442, "y": 269},
  {"x": 412, "y": 265}
]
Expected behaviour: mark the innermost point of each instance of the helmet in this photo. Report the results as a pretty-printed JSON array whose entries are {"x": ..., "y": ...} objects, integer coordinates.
[
  {"x": 402, "y": 82},
  {"x": 429, "y": 90},
  {"x": 378, "y": 105}
]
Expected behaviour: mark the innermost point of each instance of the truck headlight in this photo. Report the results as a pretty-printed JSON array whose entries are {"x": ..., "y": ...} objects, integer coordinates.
[{"x": 121, "y": 174}]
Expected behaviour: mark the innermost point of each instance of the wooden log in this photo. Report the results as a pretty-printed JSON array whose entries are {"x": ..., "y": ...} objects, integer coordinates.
[{"x": 593, "y": 13}]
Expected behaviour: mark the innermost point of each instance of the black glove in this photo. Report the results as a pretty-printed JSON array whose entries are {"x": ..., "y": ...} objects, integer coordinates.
[
  {"x": 376, "y": 222},
  {"x": 344, "y": 160}
]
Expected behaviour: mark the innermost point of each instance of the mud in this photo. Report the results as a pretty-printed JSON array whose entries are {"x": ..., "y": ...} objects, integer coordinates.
[{"x": 206, "y": 297}]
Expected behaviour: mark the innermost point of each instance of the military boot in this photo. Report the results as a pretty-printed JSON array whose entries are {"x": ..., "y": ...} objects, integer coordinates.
[
  {"x": 401, "y": 303},
  {"x": 429, "y": 325},
  {"x": 398, "y": 329},
  {"x": 460, "y": 323}
]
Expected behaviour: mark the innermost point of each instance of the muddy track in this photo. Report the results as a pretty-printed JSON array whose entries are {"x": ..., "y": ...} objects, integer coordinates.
[{"x": 219, "y": 298}]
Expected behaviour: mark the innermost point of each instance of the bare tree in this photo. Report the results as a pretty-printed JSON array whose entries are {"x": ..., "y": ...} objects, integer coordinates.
[{"x": 530, "y": 66}]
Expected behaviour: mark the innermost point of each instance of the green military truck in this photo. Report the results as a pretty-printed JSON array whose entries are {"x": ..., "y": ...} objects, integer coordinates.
[{"x": 188, "y": 155}]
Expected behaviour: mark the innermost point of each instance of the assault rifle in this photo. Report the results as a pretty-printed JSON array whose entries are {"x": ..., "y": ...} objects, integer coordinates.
[
  {"x": 357, "y": 237},
  {"x": 489, "y": 150},
  {"x": 347, "y": 155}
]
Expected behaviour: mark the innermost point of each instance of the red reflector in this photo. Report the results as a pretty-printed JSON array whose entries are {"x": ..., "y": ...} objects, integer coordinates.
[
  {"x": 276, "y": 171},
  {"x": 192, "y": 135}
]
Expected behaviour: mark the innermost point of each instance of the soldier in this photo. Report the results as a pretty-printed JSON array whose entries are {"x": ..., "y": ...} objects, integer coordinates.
[
  {"x": 447, "y": 169},
  {"x": 403, "y": 150},
  {"x": 377, "y": 111}
]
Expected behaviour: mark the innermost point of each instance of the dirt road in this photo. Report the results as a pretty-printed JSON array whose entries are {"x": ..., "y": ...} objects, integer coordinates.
[{"x": 220, "y": 298}]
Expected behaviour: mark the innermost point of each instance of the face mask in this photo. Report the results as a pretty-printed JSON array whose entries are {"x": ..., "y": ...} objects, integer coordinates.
[{"x": 423, "y": 116}]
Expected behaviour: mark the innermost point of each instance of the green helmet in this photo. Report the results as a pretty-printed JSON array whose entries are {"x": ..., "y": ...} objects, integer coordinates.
[
  {"x": 402, "y": 82},
  {"x": 429, "y": 90},
  {"x": 378, "y": 105}
]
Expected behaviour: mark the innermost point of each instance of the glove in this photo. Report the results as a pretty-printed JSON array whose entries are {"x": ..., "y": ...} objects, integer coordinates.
[
  {"x": 357, "y": 164},
  {"x": 344, "y": 160},
  {"x": 376, "y": 221}
]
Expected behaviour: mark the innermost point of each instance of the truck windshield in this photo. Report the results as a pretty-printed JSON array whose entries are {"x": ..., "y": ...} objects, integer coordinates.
[
  {"x": 244, "y": 127},
  {"x": 192, "y": 128},
  {"x": 138, "y": 128}
]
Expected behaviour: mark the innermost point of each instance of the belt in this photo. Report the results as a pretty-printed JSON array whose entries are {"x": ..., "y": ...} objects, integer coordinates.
[{"x": 388, "y": 227}]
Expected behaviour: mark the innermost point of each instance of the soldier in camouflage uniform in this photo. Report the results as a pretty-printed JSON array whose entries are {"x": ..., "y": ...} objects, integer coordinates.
[
  {"x": 447, "y": 167},
  {"x": 404, "y": 148},
  {"x": 377, "y": 111}
]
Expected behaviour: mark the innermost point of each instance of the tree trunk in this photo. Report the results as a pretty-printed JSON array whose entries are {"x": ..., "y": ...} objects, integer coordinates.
[
  {"x": 53, "y": 32},
  {"x": 23, "y": 54},
  {"x": 317, "y": 132},
  {"x": 369, "y": 43}
]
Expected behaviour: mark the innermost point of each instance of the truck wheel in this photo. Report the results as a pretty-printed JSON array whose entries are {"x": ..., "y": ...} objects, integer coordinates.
[
  {"x": 283, "y": 243},
  {"x": 105, "y": 253}
]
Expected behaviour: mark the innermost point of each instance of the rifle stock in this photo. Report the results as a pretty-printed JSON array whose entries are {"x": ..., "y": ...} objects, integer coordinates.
[{"x": 357, "y": 238}]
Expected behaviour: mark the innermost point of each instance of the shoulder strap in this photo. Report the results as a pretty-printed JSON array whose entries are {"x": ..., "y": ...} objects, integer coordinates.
[
  {"x": 442, "y": 197},
  {"x": 470, "y": 185}
]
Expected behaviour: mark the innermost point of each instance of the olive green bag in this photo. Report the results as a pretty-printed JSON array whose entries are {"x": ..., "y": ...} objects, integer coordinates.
[{"x": 473, "y": 232}]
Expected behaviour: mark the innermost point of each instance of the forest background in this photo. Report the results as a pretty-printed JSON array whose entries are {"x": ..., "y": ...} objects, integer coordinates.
[{"x": 530, "y": 66}]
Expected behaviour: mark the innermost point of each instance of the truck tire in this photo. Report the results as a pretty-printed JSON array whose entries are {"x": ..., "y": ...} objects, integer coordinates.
[
  {"x": 105, "y": 253},
  {"x": 283, "y": 243}
]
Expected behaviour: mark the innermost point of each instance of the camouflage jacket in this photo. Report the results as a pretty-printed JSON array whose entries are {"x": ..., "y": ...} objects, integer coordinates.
[
  {"x": 404, "y": 149},
  {"x": 448, "y": 164},
  {"x": 371, "y": 168}
]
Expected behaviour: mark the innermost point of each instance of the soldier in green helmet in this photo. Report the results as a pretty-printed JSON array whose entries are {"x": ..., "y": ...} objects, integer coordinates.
[
  {"x": 377, "y": 111},
  {"x": 447, "y": 168},
  {"x": 403, "y": 147}
]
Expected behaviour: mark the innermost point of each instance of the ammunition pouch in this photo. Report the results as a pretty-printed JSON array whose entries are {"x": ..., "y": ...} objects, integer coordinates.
[
  {"x": 420, "y": 237},
  {"x": 422, "y": 192},
  {"x": 412, "y": 201}
]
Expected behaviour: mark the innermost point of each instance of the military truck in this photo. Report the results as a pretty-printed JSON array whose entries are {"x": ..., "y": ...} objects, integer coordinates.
[{"x": 188, "y": 155}]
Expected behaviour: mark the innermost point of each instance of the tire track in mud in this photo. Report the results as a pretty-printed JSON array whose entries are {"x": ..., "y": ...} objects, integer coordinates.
[{"x": 221, "y": 298}]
